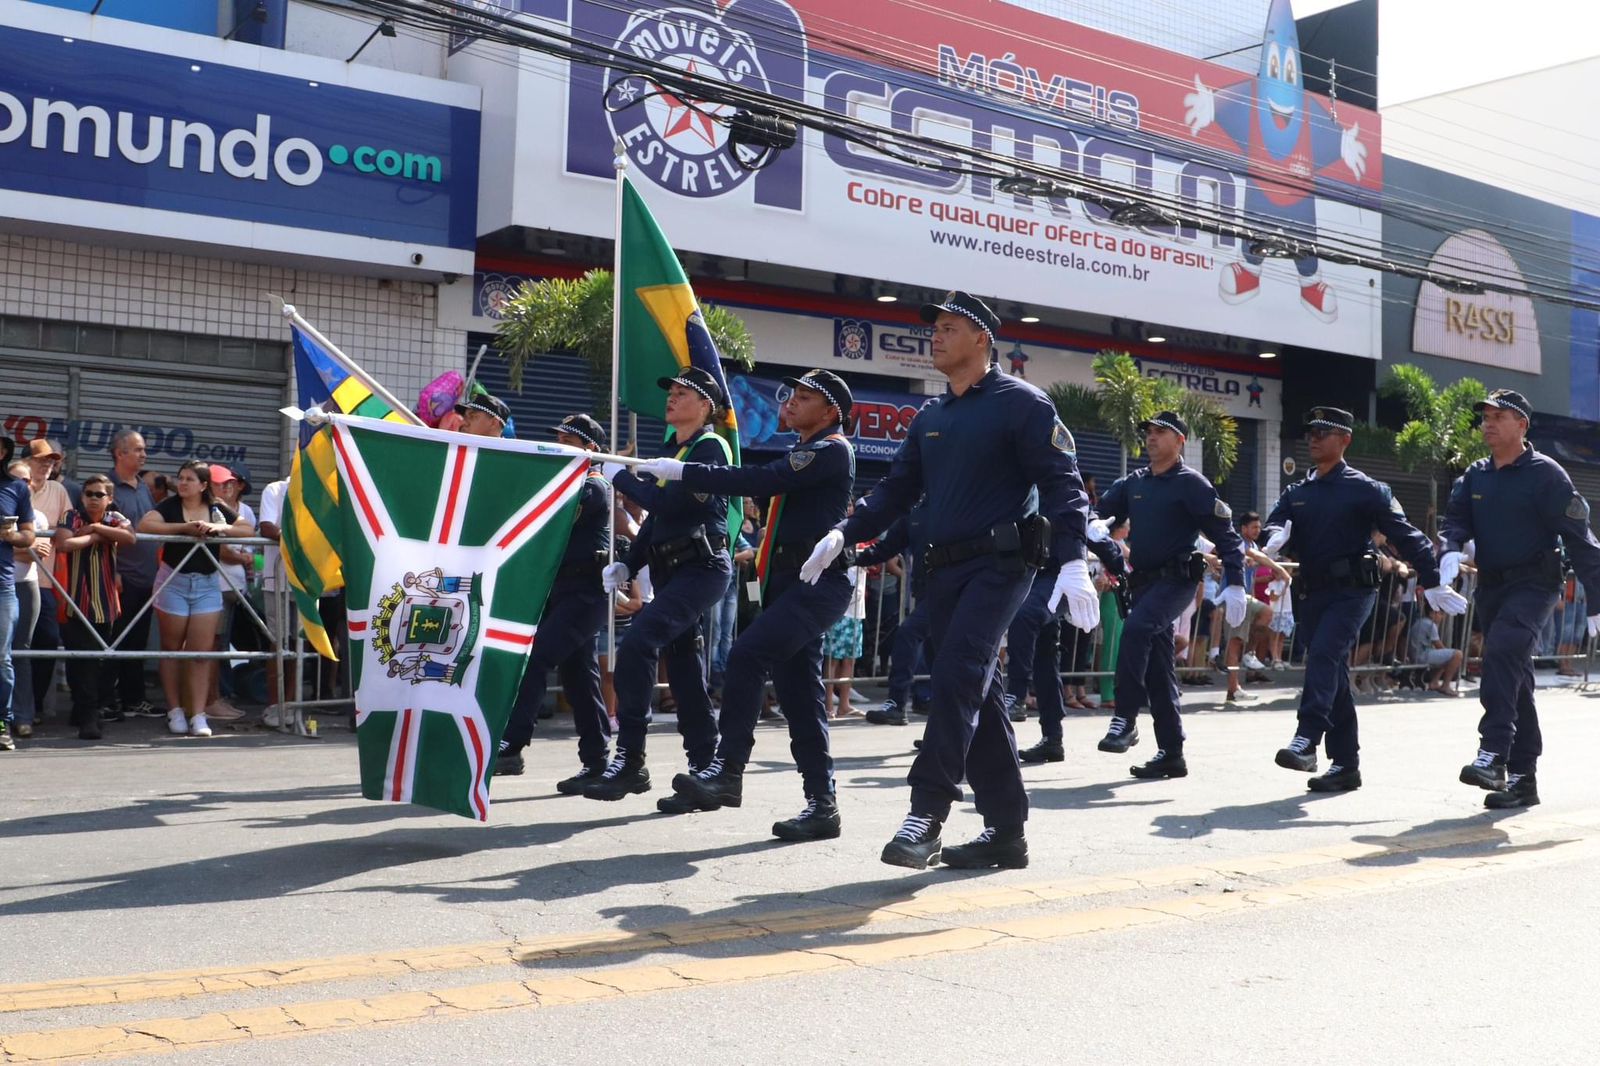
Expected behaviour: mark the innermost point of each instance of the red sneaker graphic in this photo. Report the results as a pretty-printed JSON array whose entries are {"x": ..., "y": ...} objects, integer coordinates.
[
  {"x": 1320, "y": 300},
  {"x": 1238, "y": 284}
]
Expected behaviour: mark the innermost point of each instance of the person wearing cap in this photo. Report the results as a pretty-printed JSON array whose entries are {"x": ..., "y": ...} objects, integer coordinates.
[
  {"x": 229, "y": 484},
  {"x": 810, "y": 490},
  {"x": 1327, "y": 520},
  {"x": 483, "y": 415},
  {"x": 1518, "y": 505},
  {"x": 574, "y": 615},
  {"x": 684, "y": 542},
  {"x": 1003, "y": 493},
  {"x": 1169, "y": 503}
]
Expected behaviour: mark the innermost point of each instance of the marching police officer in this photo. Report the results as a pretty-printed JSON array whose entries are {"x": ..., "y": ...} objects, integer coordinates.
[
  {"x": 977, "y": 453},
  {"x": 1327, "y": 520},
  {"x": 810, "y": 490},
  {"x": 684, "y": 541},
  {"x": 573, "y": 617},
  {"x": 1169, "y": 503},
  {"x": 1516, "y": 505},
  {"x": 483, "y": 415}
]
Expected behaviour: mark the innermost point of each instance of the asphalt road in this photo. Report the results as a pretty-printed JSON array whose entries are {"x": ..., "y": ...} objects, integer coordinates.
[{"x": 234, "y": 900}]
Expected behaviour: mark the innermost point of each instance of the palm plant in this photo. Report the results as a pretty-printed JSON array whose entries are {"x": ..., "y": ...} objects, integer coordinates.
[
  {"x": 1125, "y": 397},
  {"x": 1440, "y": 434}
]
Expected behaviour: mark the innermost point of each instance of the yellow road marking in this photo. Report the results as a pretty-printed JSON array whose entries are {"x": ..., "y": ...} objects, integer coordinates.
[
  {"x": 300, "y": 1019},
  {"x": 140, "y": 987}
]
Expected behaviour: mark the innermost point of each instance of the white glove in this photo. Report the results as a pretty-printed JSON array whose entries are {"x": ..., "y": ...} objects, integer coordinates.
[
  {"x": 1235, "y": 605},
  {"x": 614, "y": 576},
  {"x": 1200, "y": 109},
  {"x": 826, "y": 551},
  {"x": 1083, "y": 602},
  {"x": 661, "y": 469},
  {"x": 1449, "y": 568},
  {"x": 1275, "y": 543},
  {"x": 1352, "y": 151},
  {"x": 1594, "y": 626},
  {"x": 1446, "y": 599},
  {"x": 1099, "y": 530}
]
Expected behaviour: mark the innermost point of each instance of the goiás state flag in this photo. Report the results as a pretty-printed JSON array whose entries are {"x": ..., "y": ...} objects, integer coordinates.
[{"x": 449, "y": 545}]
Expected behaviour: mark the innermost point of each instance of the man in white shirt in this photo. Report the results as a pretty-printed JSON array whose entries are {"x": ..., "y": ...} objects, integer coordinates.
[{"x": 279, "y": 614}]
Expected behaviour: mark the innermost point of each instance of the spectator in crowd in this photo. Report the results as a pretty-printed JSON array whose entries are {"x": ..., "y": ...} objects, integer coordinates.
[
  {"x": 26, "y": 579},
  {"x": 1243, "y": 643},
  {"x": 280, "y": 616},
  {"x": 1427, "y": 649},
  {"x": 1110, "y": 622},
  {"x": 17, "y": 531},
  {"x": 87, "y": 539},
  {"x": 36, "y": 620},
  {"x": 1093, "y": 491},
  {"x": 136, "y": 569},
  {"x": 842, "y": 647},
  {"x": 233, "y": 570},
  {"x": 1380, "y": 638},
  {"x": 160, "y": 487},
  {"x": 189, "y": 603},
  {"x": 1573, "y": 610}
]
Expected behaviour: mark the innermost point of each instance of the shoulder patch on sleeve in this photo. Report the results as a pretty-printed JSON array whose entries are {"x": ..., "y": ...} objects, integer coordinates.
[
  {"x": 702, "y": 496},
  {"x": 799, "y": 460},
  {"x": 1061, "y": 439},
  {"x": 1578, "y": 508},
  {"x": 1221, "y": 509}
]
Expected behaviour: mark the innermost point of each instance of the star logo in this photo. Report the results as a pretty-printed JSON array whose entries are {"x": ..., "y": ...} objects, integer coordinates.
[
  {"x": 627, "y": 90},
  {"x": 688, "y": 116}
]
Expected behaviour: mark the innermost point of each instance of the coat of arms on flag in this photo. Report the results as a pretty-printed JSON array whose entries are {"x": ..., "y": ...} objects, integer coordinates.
[{"x": 449, "y": 546}]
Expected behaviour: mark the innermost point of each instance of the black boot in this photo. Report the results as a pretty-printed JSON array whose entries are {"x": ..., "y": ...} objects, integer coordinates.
[
  {"x": 1163, "y": 765},
  {"x": 819, "y": 821},
  {"x": 1301, "y": 754},
  {"x": 916, "y": 846},
  {"x": 1488, "y": 771},
  {"x": 1337, "y": 779},
  {"x": 1521, "y": 791},
  {"x": 717, "y": 785},
  {"x": 1016, "y": 707},
  {"x": 89, "y": 725},
  {"x": 891, "y": 713},
  {"x": 1122, "y": 735},
  {"x": 1047, "y": 750},
  {"x": 508, "y": 763},
  {"x": 623, "y": 776},
  {"x": 1005, "y": 848},
  {"x": 574, "y": 785}
]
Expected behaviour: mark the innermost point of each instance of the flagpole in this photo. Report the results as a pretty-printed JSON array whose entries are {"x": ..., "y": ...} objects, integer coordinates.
[
  {"x": 620, "y": 162},
  {"x": 349, "y": 364}
]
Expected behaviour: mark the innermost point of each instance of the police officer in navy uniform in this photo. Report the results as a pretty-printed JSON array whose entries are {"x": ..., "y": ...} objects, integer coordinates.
[
  {"x": 977, "y": 452},
  {"x": 1327, "y": 521},
  {"x": 810, "y": 491},
  {"x": 1516, "y": 504},
  {"x": 1169, "y": 503},
  {"x": 573, "y": 617},
  {"x": 684, "y": 541}
]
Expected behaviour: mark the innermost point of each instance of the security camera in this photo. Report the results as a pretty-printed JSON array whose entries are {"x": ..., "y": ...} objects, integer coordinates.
[{"x": 416, "y": 258}]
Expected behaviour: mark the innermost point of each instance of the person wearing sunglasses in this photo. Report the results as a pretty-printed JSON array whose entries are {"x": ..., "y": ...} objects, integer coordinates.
[{"x": 86, "y": 543}]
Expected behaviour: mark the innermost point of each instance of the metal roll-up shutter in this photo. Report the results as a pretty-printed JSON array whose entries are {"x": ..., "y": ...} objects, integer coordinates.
[
  {"x": 191, "y": 396},
  {"x": 1100, "y": 454},
  {"x": 1586, "y": 479},
  {"x": 1410, "y": 487},
  {"x": 1239, "y": 491}
]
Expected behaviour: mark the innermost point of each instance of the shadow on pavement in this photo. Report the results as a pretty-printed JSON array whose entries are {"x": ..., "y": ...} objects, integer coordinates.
[
  {"x": 149, "y": 813},
  {"x": 1414, "y": 844},
  {"x": 1289, "y": 812},
  {"x": 1095, "y": 795}
]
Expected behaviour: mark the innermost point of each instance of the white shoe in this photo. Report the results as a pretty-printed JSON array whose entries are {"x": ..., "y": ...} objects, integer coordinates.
[
  {"x": 273, "y": 718},
  {"x": 199, "y": 727},
  {"x": 177, "y": 722},
  {"x": 1253, "y": 663}
]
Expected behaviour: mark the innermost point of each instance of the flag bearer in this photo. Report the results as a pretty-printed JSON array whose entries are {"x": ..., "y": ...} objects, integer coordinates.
[{"x": 810, "y": 490}]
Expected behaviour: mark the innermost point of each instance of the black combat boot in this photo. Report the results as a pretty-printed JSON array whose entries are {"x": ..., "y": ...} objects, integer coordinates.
[
  {"x": 508, "y": 762},
  {"x": 818, "y": 821},
  {"x": 1163, "y": 765},
  {"x": 1016, "y": 708},
  {"x": 1048, "y": 749},
  {"x": 623, "y": 776},
  {"x": 574, "y": 785},
  {"x": 1521, "y": 791},
  {"x": 891, "y": 713},
  {"x": 1122, "y": 735},
  {"x": 1337, "y": 779},
  {"x": 916, "y": 846},
  {"x": 997, "y": 846},
  {"x": 1301, "y": 754},
  {"x": 716, "y": 785},
  {"x": 1488, "y": 771}
]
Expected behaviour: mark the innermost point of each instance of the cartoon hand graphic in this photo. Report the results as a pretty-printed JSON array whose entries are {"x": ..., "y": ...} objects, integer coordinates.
[
  {"x": 1353, "y": 152},
  {"x": 1200, "y": 108}
]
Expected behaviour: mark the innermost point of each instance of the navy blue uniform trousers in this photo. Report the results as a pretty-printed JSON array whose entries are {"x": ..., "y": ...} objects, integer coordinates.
[
  {"x": 1512, "y": 616},
  {"x": 565, "y": 642},
  {"x": 669, "y": 627},
  {"x": 1331, "y": 620},
  {"x": 1147, "y": 669},
  {"x": 1034, "y": 654},
  {"x": 968, "y": 735},
  {"x": 784, "y": 642},
  {"x": 905, "y": 652}
]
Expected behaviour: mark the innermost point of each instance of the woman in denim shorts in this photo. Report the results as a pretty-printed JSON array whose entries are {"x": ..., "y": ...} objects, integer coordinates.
[{"x": 188, "y": 599}]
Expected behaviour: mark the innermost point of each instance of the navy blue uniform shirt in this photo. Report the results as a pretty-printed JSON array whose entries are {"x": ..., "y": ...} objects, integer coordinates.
[
  {"x": 814, "y": 479},
  {"x": 1334, "y": 515},
  {"x": 1167, "y": 510},
  {"x": 1516, "y": 511},
  {"x": 675, "y": 509},
  {"x": 592, "y": 526},
  {"x": 978, "y": 456}
]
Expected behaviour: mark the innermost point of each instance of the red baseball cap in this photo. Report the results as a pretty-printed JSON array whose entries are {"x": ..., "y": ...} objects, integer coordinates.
[{"x": 221, "y": 474}]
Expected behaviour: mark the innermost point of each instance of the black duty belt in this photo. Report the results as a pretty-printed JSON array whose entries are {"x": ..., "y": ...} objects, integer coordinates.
[
  {"x": 582, "y": 568},
  {"x": 1189, "y": 567},
  {"x": 1001, "y": 539},
  {"x": 694, "y": 547},
  {"x": 1544, "y": 568},
  {"x": 1350, "y": 572},
  {"x": 793, "y": 555}
]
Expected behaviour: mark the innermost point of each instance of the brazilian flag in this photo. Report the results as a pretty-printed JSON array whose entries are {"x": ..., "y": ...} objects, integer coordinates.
[{"x": 661, "y": 328}]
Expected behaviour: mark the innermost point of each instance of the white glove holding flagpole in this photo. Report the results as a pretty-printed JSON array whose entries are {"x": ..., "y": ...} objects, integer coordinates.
[
  {"x": 614, "y": 576},
  {"x": 1235, "y": 605},
  {"x": 1099, "y": 530},
  {"x": 662, "y": 469},
  {"x": 822, "y": 556},
  {"x": 1083, "y": 602},
  {"x": 1449, "y": 568},
  {"x": 1446, "y": 599},
  {"x": 1275, "y": 543}
]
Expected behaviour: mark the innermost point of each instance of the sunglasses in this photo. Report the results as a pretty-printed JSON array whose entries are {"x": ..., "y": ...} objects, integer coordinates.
[{"x": 95, "y": 495}]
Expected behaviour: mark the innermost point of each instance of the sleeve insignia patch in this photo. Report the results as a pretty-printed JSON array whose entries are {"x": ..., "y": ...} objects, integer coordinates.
[
  {"x": 1061, "y": 439},
  {"x": 1578, "y": 508},
  {"x": 1221, "y": 510},
  {"x": 799, "y": 460},
  {"x": 702, "y": 496}
]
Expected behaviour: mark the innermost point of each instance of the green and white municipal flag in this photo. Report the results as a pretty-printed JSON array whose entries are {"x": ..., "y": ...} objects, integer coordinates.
[{"x": 450, "y": 544}]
